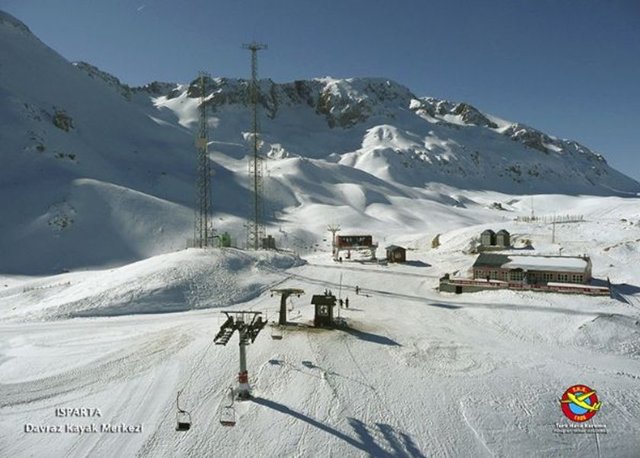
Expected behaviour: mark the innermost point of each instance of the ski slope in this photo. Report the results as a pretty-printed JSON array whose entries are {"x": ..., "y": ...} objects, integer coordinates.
[
  {"x": 414, "y": 373},
  {"x": 101, "y": 309}
]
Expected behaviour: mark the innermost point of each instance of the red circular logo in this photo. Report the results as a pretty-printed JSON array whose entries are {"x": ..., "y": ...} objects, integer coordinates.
[{"x": 579, "y": 403}]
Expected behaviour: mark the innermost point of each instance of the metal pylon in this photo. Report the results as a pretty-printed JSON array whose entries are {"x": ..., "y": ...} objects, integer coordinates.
[
  {"x": 203, "y": 230},
  {"x": 256, "y": 230}
]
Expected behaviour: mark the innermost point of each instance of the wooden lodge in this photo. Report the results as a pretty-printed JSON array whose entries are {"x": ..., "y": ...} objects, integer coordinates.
[{"x": 532, "y": 269}]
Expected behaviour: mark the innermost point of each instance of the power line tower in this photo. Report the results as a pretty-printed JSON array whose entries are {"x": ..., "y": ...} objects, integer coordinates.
[
  {"x": 203, "y": 230},
  {"x": 256, "y": 229}
]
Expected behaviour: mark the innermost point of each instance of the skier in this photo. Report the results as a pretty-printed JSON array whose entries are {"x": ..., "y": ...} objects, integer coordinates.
[
  {"x": 346, "y": 302},
  {"x": 357, "y": 290}
]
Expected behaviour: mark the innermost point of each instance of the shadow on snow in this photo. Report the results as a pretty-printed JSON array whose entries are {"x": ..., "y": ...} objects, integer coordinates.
[{"x": 402, "y": 444}]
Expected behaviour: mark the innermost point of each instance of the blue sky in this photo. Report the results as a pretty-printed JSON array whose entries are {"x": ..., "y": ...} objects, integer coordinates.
[{"x": 570, "y": 68}]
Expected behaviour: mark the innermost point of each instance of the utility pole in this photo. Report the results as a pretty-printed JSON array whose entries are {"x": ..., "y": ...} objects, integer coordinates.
[
  {"x": 203, "y": 231},
  {"x": 532, "y": 214},
  {"x": 256, "y": 166}
]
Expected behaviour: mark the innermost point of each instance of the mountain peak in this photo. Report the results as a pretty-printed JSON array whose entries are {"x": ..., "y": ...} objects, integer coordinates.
[{"x": 8, "y": 20}]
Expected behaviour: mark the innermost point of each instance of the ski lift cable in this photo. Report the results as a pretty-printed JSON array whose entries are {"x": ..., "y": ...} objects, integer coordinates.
[
  {"x": 197, "y": 366},
  {"x": 183, "y": 416}
]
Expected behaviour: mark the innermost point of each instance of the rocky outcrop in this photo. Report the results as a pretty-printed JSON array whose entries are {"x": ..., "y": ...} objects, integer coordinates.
[{"x": 107, "y": 78}]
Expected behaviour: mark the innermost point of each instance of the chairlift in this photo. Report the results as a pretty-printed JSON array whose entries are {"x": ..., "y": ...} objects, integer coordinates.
[
  {"x": 183, "y": 418},
  {"x": 228, "y": 413}
]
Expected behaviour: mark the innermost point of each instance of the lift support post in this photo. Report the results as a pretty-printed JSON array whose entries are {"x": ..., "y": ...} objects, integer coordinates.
[{"x": 248, "y": 325}]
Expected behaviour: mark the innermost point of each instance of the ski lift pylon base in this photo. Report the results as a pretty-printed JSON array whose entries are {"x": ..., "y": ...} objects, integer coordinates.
[{"x": 276, "y": 332}]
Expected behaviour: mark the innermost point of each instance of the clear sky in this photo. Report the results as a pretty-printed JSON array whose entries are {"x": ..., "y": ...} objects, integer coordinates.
[{"x": 570, "y": 68}]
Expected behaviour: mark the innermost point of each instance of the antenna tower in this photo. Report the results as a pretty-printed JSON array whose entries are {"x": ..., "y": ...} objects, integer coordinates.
[
  {"x": 203, "y": 230},
  {"x": 256, "y": 229}
]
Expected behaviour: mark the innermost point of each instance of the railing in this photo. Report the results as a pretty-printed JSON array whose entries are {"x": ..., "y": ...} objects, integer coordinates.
[{"x": 555, "y": 287}]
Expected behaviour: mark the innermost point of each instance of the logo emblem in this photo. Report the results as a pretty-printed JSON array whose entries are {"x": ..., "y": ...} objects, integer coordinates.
[{"x": 580, "y": 403}]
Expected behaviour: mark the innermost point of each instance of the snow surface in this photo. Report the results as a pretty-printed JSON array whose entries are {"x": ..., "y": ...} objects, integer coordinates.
[
  {"x": 365, "y": 148},
  {"x": 564, "y": 264},
  {"x": 100, "y": 306},
  {"x": 416, "y": 373}
]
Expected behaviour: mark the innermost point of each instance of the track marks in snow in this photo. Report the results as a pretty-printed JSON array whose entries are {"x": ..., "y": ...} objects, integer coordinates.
[
  {"x": 141, "y": 355},
  {"x": 380, "y": 431},
  {"x": 475, "y": 432},
  {"x": 446, "y": 359}
]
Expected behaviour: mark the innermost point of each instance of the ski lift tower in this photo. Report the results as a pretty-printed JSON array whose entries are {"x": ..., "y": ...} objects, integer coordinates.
[
  {"x": 284, "y": 294},
  {"x": 248, "y": 325},
  {"x": 333, "y": 229}
]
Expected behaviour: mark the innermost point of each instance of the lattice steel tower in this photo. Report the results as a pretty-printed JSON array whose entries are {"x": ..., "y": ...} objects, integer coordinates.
[
  {"x": 203, "y": 229},
  {"x": 256, "y": 229}
]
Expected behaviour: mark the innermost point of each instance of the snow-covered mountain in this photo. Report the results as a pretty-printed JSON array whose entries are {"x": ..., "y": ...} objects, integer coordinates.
[
  {"x": 380, "y": 127},
  {"x": 95, "y": 172}
]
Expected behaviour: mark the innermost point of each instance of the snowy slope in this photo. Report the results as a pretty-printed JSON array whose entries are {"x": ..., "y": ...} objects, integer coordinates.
[
  {"x": 416, "y": 373},
  {"x": 380, "y": 127},
  {"x": 97, "y": 173},
  {"x": 96, "y": 179}
]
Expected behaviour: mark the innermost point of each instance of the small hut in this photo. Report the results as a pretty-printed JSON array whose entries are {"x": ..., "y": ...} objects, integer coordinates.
[
  {"x": 268, "y": 243},
  {"x": 488, "y": 238},
  {"x": 324, "y": 304},
  {"x": 396, "y": 253},
  {"x": 503, "y": 238}
]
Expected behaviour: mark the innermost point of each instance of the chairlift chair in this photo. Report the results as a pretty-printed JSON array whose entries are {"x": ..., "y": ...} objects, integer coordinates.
[
  {"x": 183, "y": 418},
  {"x": 228, "y": 413}
]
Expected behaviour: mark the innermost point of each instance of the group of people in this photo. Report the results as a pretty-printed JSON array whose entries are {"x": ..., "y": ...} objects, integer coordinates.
[
  {"x": 346, "y": 300},
  {"x": 344, "y": 303}
]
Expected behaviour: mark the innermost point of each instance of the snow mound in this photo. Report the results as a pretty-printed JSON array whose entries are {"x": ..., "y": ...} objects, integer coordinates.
[{"x": 186, "y": 280}]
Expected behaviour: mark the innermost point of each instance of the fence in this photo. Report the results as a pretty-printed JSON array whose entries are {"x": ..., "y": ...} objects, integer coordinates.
[
  {"x": 480, "y": 284},
  {"x": 550, "y": 219}
]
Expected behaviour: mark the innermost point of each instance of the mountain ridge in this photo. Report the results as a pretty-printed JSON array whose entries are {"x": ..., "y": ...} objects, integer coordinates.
[{"x": 99, "y": 173}]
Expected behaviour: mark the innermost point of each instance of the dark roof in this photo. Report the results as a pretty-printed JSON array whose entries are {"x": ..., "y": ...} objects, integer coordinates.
[
  {"x": 488, "y": 231},
  {"x": 491, "y": 260},
  {"x": 503, "y": 231},
  {"x": 323, "y": 299},
  {"x": 394, "y": 248}
]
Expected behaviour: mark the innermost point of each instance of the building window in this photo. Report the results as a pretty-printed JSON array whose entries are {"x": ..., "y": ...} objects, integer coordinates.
[
  {"x": 516, "y": 275},
  {"x": 494, "y": 275},
  {"x": 576, "y": 278},
  {"x": 563, "y": 278},
  {"x": 547, "y": 276}
]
